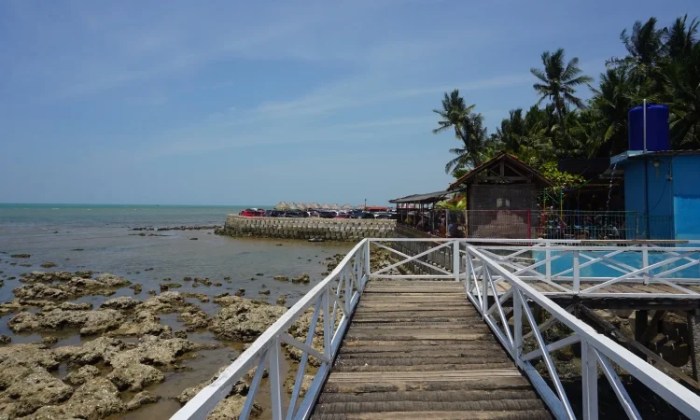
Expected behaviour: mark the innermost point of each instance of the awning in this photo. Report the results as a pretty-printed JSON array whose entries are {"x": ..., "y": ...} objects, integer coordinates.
[{"x": 422, "y": 198}]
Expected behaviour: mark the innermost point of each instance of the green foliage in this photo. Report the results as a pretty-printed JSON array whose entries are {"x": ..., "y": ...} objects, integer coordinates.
[
  {"x": 560, "y": 180},
  {"x": 468, "y": 127},
  {"x": 557, "y": 82},
  {"x": 662, "y": 65},
  {"x": 458, "y": 202},
  {"x": 561, "y": 183},
  {"x": 459, "y": 172}
]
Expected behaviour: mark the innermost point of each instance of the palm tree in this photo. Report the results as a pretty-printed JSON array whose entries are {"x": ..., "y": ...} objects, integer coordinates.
[
  {"x": 681, "y": 38},
  {"x": 611, "y": 102},
  {"x": 644, "y": 46},
  {"x": 468, "y": 128},
  {"x": 559, "y": 82},
  {"x": 454, "y": 114},
  {"x": 661, "y": 66},
  {"x": 645, "y": 54},
  {"x": 512, "y": 131},
  {"x": 683, "y": 81},
  {"x": 472, "y": 155}
]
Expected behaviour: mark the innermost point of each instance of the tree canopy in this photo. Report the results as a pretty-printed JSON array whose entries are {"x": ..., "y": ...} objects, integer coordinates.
[{"x": 662, "y": 65}]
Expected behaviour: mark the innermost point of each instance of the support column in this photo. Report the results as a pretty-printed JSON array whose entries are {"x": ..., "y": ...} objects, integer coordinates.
[
  {"x": 694, "y": 332},
  {"x": 641, "y": 322}
]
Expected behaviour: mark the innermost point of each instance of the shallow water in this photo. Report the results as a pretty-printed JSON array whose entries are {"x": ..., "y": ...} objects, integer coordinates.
[{"x": 102, "y": 239}]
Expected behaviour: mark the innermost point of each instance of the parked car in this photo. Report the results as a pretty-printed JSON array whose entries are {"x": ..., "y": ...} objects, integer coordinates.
[
  {"x": 273, "y": 213},
  {"x": 296, "y": 213},
  {"x": 327, "y": 214},
  {"x": 356, "y": 214},
  {"x": 254, "y": 212}
]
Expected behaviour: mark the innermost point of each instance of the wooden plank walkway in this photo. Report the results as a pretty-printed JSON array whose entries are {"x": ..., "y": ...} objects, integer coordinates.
[
  {"x": 418, "y": 349},
  {"x": 654, "y": 290},
  {"x": 647, "y": 296}
]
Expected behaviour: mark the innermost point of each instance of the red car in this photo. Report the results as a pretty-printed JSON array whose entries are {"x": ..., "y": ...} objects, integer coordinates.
[{"x": 252, "y": 213}]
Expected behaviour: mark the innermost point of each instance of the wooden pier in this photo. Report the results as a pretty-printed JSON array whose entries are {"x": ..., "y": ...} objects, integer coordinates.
[
  {"x": 419, "y": 349},
  {"x": 449, "y": 329}
]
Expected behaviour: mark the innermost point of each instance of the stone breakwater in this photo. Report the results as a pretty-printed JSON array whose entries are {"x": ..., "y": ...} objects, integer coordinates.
[{"x": 308, "y": 228}]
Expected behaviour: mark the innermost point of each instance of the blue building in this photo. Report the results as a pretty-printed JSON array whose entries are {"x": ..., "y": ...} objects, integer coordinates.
[
  {"x": 662, "y": 186},
  {"x": 662, "y": 193}
]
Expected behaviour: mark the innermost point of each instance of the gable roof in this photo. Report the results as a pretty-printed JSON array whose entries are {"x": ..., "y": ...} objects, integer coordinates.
[{"x": 518, "y": 166}]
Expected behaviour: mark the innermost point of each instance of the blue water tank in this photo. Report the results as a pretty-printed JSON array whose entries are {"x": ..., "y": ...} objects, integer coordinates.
[{"x": 657, "y": 128}]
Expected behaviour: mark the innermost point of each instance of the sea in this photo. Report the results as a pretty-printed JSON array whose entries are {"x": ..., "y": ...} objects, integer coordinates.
[
  {"x": 149, "y": 245},
  {"x": 153, "y": 245}
]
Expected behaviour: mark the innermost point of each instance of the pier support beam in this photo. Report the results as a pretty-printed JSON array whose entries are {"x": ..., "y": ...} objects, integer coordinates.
[
  {"x": 694, "y": 331},
  {"x": 641, "y": 322}
]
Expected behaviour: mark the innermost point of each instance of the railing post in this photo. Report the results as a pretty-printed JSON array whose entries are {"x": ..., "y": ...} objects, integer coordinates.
[
  {"x": 468, "y": 271},
  {"x": 328, "y": 323},
  {"x": 548, "y": 260},
  {"x": 577, "y": 272},
  {"x": 589, "y": 381},
  {"x": 485, "y": 278},
  {"x": 645, "y": 262},
  {"x": 367, "y": 262},
  {"x": 274, "y": 359},
  {"x": 348, "y": 291},
  {"x": 518, "y": 327},
  {"x": 455, "y": 259}
]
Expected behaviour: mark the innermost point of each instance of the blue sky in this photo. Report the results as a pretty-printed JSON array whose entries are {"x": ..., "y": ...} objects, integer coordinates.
[{"x": 240, "y": 102}]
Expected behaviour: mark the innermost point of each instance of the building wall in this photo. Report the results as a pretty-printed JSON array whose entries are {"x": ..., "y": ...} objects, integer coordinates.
[
  {"x": 660, "y": 197},
  {"x": 495, "y": 210},
  {"x": 634, "y": 187},
  {"x": 309, "y": 228},
  {"x": 686, "y": 196},
  {"x": 649, "y": 195},
  {"x": 502, "y": 197},
  {"x": 669, "y": 190}
]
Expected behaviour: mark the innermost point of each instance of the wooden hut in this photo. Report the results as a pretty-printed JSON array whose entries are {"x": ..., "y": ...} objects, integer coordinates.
[{"x": 502, "y": 198}]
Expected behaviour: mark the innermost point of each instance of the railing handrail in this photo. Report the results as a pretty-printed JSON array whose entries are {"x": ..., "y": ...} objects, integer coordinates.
[
  {"x": 676, "y": 394},
  {"x": 580, "y": 241},
  {"x": 210, "y": 395},
  {"x": 267, "y": 348}
]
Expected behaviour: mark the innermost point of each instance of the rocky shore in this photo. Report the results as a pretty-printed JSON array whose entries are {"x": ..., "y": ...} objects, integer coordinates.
[{"x": 123, "y": 347}]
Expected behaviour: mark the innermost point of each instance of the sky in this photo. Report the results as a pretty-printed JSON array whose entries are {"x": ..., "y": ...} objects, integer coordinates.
[{"x": 255, "y": 102}]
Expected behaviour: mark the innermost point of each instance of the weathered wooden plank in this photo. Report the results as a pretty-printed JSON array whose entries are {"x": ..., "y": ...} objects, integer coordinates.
[
  {"x": 454, "y": 351},
  {"x": 419, "y": 335},
  {"x": 465, "y": 406},
  {"x": 419, "y": 349},
  {"x": 443, "y": 396},
  {"x": 399, "y": 316},
  {"x": 372, "y": 347},
  {"x": 444, "y": 415},
  {"x": 457, "y": 292},
  {"x": 442, "y": 375},
  {"x": 380, "y": 369}
]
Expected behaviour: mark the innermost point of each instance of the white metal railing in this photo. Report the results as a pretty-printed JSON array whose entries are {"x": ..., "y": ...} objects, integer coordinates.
[
  {"x": 595, "y": 268},
  {"x": 510, "y": 317},
  {"x": 484, "y": 269},
  {"x": 333, "y": 301}
]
